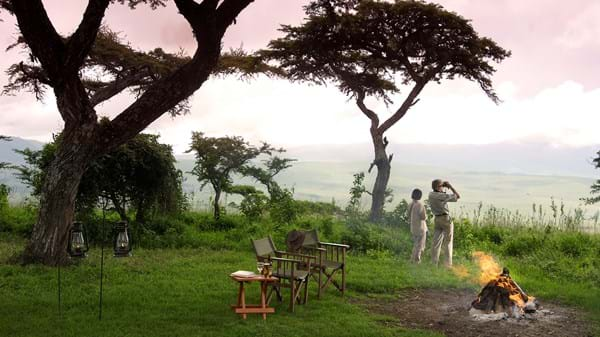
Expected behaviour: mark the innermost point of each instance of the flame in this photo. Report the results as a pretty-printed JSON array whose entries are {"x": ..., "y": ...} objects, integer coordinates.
[{"x": 489, "y": 269}]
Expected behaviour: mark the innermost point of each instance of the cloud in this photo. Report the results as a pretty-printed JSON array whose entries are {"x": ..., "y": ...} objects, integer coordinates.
[{"x": 583, "y": 30}]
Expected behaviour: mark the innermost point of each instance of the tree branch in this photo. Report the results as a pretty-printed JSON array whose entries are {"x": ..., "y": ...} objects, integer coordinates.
[
  {"x": 81, "y": 41},
  {"x": 408, "y": 102},
  {"x": 168, "y": 91},
  {"x": 41, "y": 36},
  {"x": 228, "y": 11},
  {"x": 112, "y": 89},
  {"x": 360, "y": 101}
]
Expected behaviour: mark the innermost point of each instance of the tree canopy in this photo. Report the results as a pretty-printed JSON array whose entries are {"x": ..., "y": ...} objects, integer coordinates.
[{"x": 140, "y": 174}]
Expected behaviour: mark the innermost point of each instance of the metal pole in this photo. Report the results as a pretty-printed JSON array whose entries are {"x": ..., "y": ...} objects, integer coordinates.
[
  {"x": 102, "y": 259},
  {"x": 59, "y": 309}
]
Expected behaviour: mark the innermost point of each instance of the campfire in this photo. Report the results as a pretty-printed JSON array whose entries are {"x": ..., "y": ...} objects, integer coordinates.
[{"x": 500, "y": 293}]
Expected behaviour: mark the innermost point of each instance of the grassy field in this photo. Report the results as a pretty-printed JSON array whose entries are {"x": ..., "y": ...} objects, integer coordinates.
[{"x": 187, "y": 292}]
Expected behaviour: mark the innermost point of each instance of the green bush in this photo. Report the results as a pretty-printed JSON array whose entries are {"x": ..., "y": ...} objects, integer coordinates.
[
  {"x": 521, "y": 245},
  {"x": 464, "y": 237},
  {"x": 573, "y": 245}
]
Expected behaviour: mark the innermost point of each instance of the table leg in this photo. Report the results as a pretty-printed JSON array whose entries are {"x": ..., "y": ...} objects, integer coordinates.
[
  {"x": 243, "y": 298},
  {"x": 239, "y": 297},
  {"x": 263, "y": 298}
]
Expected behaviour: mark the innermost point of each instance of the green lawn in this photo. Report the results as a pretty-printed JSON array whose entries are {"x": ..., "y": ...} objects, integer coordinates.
[
  {"x": 175, "y": 293},
  {"x": 187, "y": 292}
]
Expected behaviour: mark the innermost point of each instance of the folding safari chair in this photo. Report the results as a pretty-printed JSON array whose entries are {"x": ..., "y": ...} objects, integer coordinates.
[
  {"x": 330, "y": 260},
  {"x": 292, "y": 270}
]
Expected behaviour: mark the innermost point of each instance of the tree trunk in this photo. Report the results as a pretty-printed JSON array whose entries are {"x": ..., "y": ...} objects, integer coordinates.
[
  {"x": 49, "y": 239},
  {"x": 217, "y": 210},
  {"x": 119, "y": 207},
  {"x": 382, "y": 162},
  {"x": 140, "y": 213}
]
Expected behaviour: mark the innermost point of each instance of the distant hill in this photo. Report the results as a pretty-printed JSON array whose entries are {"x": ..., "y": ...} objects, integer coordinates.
[
  {"x": 508, "y": 176},
  {"x": 7, "y": 153},
  {"x": 526, "y": 158}
]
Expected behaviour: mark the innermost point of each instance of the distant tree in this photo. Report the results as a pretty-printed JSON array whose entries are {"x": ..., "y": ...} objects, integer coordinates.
[
  {"x": 595, "y": 188},
  {"x": 91, "y": 66},
  {"x": 368, "y": 48},
  {"x": 140, "y": 174},
  {"x": 266, "y": 175},
  {"x": 217, "y": 159}
]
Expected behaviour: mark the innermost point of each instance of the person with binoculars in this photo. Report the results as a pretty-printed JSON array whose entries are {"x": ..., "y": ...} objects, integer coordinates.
[{"x": 443, "y": 233}]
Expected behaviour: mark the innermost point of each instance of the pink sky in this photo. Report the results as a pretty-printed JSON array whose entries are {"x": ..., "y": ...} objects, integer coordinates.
[{"x": 549, "y": 85}]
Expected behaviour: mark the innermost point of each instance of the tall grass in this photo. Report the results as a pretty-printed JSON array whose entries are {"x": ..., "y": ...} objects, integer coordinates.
[{"x": 554, "y": 215}]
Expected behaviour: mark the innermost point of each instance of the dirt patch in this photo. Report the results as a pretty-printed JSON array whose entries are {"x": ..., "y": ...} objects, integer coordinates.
[{"x": 447, "y": 311}]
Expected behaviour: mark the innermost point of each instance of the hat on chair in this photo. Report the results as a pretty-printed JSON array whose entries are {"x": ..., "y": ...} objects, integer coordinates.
[{"x": 294, "y": 240}]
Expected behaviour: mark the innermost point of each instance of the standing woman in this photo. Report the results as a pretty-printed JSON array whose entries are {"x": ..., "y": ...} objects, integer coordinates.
[{"x": 418, "y": 225}]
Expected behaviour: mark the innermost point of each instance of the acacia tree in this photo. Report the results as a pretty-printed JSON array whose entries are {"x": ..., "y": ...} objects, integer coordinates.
[
  {"x": 218, "y": 158},
  {"x": 369, "y": 48},
  {"x": 266, "y": 175},
  {"x": 84, "y": 70}
]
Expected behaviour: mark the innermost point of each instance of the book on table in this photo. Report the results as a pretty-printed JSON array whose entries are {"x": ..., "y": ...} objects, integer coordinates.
[{"x": 244, "y": 273}]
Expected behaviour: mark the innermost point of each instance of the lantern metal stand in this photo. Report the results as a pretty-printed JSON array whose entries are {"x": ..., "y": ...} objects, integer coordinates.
[
  {"x": 121, "y": 248},
  {"x": 77, "y": 247},
  {"x": 59, "y": 311},
  {"x": 104, "y": 204}
]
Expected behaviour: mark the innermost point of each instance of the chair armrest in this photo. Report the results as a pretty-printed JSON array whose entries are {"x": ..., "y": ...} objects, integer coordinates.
[
  {"x": 319, "y": 249},
  {"x": 281, "y": 259},
  {"x": 334, "y": 245},
  {"x": 292, "y": 261},
  {"x": 296, "y": 254}
]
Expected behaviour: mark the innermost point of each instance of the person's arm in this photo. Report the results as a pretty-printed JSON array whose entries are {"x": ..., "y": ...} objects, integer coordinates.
[
  {"x": 423, "y": 213},
  {"x": 454, "y": 191}
]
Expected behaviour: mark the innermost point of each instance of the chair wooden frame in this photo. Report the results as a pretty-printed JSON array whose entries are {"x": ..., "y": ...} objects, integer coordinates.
[
  {"x": 330, "y": 259},
  {"x": 292, "y": 270}
]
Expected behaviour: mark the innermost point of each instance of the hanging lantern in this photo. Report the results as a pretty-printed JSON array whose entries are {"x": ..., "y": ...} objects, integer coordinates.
[
  {"x": 77, "y": 246},
  {"x": 122, "y": 241}
]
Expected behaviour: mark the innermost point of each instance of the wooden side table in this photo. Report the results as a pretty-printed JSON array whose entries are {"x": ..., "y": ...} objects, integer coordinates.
[{"x": 242, "y": 308}]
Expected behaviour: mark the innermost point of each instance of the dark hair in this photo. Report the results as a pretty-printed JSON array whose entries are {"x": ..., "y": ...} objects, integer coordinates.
[
  {"x": 435, "y": 183},
  {"x": 416, "y": 194}
]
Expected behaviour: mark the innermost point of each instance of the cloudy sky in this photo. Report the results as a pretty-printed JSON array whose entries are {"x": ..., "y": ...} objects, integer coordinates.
[{"x": 550, "y": 86}]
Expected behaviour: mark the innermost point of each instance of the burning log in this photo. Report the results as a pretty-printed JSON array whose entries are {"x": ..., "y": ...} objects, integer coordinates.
[{"x": 503, "y": 294}]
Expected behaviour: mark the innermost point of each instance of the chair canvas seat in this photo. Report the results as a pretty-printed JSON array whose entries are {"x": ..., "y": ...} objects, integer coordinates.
[
  {"x": 330, "y": 265},
  {"x": 298, "y": 274}
]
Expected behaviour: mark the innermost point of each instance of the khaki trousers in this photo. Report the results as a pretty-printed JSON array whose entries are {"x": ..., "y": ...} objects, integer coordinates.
[
  {"x": 443, "y": 235},
  {"x": 418, "y": 246}
]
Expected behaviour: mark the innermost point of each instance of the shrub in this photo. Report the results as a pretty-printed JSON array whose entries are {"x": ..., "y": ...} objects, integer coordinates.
[
  {"x": 573, "y": 245},
  {"x": 521, "y": 245}
]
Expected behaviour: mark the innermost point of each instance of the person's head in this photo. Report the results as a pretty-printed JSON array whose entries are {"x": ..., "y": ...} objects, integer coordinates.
[
  {"x": 437, "y": 185},
  {"x": 416, "y": 194}
]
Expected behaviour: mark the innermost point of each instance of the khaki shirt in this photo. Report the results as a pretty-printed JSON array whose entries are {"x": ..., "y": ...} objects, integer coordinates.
[
  {"x": 417, "y": 217},
  {"x": 438, "y": 201}
]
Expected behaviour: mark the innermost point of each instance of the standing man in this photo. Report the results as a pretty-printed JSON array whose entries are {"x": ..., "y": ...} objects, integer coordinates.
[{"x": 443, "y": 233}]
